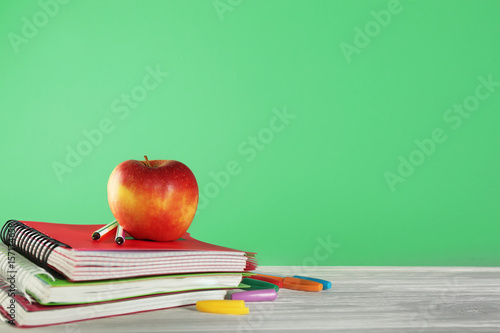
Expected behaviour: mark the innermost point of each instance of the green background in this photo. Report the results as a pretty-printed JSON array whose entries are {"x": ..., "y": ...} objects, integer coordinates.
[{"x": 319, "y": 180}]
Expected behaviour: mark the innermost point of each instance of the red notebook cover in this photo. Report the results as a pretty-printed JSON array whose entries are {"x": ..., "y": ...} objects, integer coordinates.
[
  {"x": 36, "y": 240},
  {"x": 78, "y": 237}
]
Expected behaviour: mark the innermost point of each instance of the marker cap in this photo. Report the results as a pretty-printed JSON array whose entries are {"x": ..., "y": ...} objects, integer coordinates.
[
  {"x": 223, "y": 307},
  {"x": 257, "y": 284}
]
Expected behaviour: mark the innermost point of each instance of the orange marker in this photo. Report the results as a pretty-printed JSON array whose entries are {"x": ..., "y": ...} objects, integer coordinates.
[
  {"x": 300, "y": 284},
  {"x": 295, "y": 283},
  {"x": 279, "y": 278},
  {"x": 274, "y": 281}
]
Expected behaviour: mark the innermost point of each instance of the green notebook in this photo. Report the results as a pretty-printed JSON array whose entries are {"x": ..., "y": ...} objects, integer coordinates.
[{"x": 47, "y": 289}]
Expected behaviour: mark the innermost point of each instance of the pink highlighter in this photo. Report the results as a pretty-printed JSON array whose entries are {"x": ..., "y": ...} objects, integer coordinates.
[{"x": 260, "y": 295}]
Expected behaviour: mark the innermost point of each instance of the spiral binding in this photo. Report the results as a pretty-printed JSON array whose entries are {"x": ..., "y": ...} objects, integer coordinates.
[
  {"x": 29, "y": 242},
  {"x": 23, "y": 270}
]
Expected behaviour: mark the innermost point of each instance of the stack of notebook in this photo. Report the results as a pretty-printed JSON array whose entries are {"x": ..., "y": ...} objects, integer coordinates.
[{"x": 55, "y": 273}]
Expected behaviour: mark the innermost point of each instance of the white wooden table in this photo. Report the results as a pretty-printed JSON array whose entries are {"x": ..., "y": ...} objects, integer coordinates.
[{"x": 362, "y": 299}]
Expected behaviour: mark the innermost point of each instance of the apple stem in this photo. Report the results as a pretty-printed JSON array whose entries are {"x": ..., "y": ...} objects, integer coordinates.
[{"x": 147, "y": 161}]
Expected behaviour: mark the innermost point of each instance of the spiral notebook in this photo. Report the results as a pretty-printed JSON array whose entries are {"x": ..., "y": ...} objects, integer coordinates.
[
  {"x": 34, "y": 281},
  {"x": 69, "y": 250},
  {"x": 31, "y": 314}
]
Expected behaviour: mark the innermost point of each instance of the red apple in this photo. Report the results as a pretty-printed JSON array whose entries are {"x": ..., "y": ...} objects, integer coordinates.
[{"x": 153, "y": 200}]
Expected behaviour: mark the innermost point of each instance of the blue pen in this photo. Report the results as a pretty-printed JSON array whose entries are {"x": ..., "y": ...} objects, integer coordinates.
[{"x": 326, "y": 284}]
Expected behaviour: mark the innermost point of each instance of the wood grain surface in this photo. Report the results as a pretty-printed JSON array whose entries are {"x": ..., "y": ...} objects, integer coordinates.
[{"x": 362, "y": 299}]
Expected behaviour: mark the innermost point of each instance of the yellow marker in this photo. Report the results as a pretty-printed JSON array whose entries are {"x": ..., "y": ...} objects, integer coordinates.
[{"x": 223, "y": 307}]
